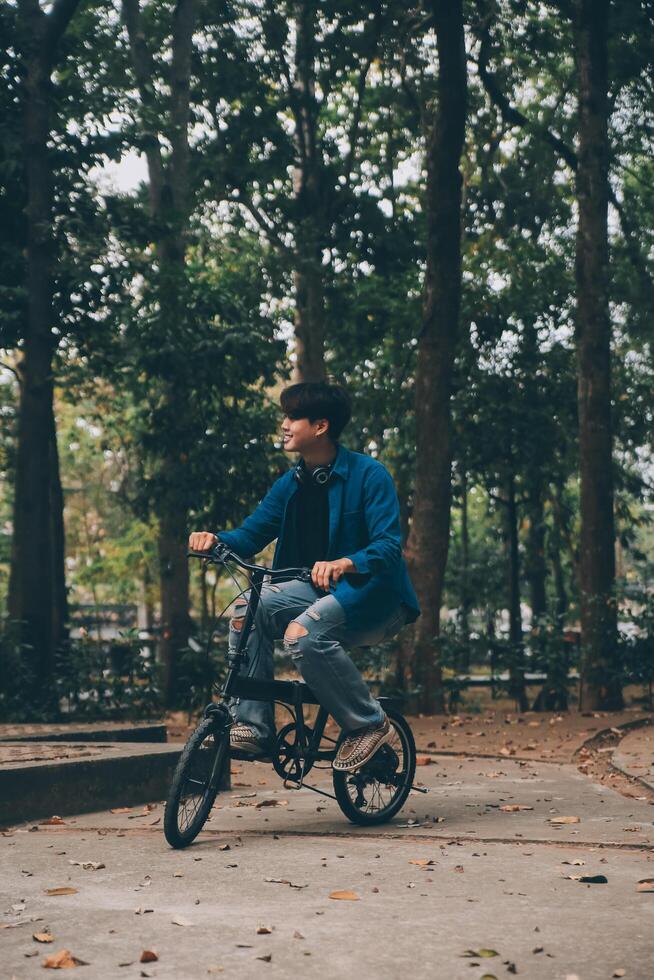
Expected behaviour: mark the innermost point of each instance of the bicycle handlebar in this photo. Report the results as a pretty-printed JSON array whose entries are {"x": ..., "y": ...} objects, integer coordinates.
[{"x": 220, "y": 553}]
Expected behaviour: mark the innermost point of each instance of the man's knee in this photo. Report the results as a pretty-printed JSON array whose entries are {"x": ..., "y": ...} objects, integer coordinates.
[
  {"x": 294, "y": 639},
  {"x": 237, "y": 620},
  {"x": 294, "y": 631}
]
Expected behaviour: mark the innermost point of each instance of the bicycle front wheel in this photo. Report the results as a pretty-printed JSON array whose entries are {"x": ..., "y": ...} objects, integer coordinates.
[
  {"x": 377, "y": 791},
  {"x": 195, "y": 783}
]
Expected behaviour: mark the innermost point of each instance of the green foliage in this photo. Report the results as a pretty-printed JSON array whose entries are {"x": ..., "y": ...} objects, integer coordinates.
[{"x": 100, "y": 679}]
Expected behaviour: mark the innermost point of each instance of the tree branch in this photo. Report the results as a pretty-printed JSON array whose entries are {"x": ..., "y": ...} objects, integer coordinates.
[
  {"x": 509, "y": 112},
  {"x": 144, "y": 73},
  {"x": 515, "y": 117},
  {"x": 14, "y": 371},
  {"x": 57, "y": 20},
  {"x": 281, "y": 57},
  {"x": 360, "y": 91},
  {"x": 265, "y": 223}
]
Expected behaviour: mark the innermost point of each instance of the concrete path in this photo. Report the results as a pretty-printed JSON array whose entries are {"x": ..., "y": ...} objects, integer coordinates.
[{"x": 451, "y": 877}]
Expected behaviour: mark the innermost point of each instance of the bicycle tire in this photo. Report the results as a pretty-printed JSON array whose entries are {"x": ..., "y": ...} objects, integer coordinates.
[
  {"x": 343, "y": 780},
  {"x": 201, "y": 772}
]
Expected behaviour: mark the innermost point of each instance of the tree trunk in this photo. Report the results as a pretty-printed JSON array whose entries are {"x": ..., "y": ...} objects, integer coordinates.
[
  {"x": 464, "y": 590},
  {"x": 169, "y": 202},
  {"x": 310, "y": 236},
  {"x": 536, "y": 566},
  {"x": 175, "y": 619},
  {"x": 516, "y": 658},
  {"x": 37, "y": 580},
  {"x": 147, "y": 600},
  {"x": 32, "y": 555},
  {"x": 600, "y": 686},
  {"x": 309, "y": 318},
  {"x": 58, "y": 532},
  {"x": 429, "y": 537}
]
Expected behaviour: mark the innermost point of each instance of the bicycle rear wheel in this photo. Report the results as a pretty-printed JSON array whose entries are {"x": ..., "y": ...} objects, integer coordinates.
[
  {"x": 377, "y": 791},
  {"x": 195, "y": 783}
]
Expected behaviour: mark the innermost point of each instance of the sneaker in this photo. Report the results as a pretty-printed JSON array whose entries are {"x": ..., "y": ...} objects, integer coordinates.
[
  {"x": 242, "y": 738},
  {"x": 358, "y": 747}
]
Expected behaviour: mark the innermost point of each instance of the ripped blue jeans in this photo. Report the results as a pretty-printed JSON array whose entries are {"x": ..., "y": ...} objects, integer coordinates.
[{"x": 319, "y": 655}]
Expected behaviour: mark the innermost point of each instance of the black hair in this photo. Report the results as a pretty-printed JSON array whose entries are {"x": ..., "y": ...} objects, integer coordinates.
[{"x": 318, "y": 400}]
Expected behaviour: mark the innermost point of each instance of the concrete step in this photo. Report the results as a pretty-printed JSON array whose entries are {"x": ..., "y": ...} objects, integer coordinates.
[
  {"x": 37, "y": 783},
  {"x": 100, "y": 731},
  {"x": 43, "y": 779}
]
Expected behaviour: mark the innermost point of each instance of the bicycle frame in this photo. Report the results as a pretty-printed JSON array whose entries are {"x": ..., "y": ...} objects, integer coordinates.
[{"x": 294, "y": 694}]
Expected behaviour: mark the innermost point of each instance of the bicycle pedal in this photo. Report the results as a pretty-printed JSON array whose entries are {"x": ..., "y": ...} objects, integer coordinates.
[{"x": 292, "y": 784}]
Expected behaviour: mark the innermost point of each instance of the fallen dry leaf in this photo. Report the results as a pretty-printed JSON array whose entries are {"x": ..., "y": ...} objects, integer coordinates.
[
  {"x": 514, "y": 807},
  {"x": 121, "y": 809},
  {"x": 562, "y": 820},
  {"x": 267, "y": 957},
  {"x": 264, "y": 930},
  {"x": 344, "y": 896},
  {"x": 620, "y": 972},
  {"x": 480, "y": 953},
  {"x": 42, "y": 937},
  {"x": 181, "y": 920},
  {"x": 63, "y": 960},
  {"x": 297, "y": 935},
  {"x": 61, "y": 891},
  {"x": 421, "y": 862},
  {"x": 89, "y": 865},
  {"x": 645, "y": 885},
  {"x": 424, "y": 760},
  {"x": 148, "y": 956},
  {"x": 51, "y": 822},
  {"x": 271, "y": 803}
]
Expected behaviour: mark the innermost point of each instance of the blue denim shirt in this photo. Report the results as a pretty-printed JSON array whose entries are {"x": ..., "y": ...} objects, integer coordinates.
[{"x": 364, "y": 525}]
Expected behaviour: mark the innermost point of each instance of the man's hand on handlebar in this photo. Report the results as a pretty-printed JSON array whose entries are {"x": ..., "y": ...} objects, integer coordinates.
[
  {"x": 202, "y": 541},
  {"x": 324, "y": 571}
]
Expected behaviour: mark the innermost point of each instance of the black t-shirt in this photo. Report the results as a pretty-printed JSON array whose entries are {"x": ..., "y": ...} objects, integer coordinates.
[{"x": 309, "y": 523}]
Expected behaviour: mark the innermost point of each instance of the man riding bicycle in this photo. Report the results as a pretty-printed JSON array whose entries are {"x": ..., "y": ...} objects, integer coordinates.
[{"x": 336, "y": 512}]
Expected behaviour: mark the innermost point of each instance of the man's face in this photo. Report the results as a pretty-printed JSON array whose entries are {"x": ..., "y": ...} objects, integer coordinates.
[{"x": 301, "y": 435}]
